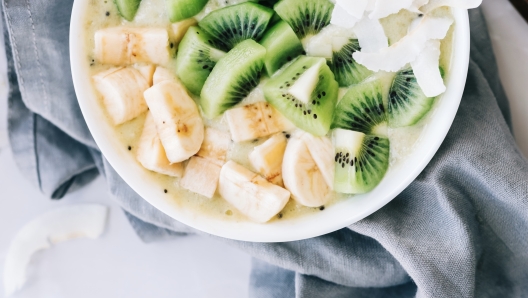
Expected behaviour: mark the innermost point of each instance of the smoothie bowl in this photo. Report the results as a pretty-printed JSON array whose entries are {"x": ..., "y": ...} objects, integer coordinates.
[{"x": 269, "y": 121}]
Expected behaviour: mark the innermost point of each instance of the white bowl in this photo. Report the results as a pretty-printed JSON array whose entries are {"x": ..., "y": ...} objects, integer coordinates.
[{"x": 334, "y": 217}]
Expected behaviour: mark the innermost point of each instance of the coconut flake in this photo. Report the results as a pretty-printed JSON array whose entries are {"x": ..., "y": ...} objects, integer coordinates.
[
  {"x": 371, "y": 35},
  {"x": 321, "y": 44},
  {"x": 407, "y": 49},
  {"x": 384, "y": 8},
  {"x": 50, "y": 228},
  {"x": 341, "y": 18},
  {"x": 355, "y": 8},
  {"x": 427, "y": 71},
  {"x": 464, "y": 4}
]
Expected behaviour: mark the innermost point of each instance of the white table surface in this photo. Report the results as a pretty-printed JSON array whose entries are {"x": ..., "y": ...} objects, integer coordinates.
[{"x": 120, "y": 265}]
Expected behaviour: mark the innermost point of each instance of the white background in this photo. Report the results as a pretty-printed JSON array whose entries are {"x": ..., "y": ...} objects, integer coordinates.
[{"x": 120, "y": 265}]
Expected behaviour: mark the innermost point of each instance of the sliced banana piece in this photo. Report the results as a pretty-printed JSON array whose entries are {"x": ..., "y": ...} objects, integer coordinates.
[
  {"x": 179, "y": 29},
  {"x": 151, "y": 153},
  {"x": 302, "y": 176},
  {"x": 322, "y": 151},
  {"x": 255, "y": 121},
  {"x": 179, "y": 124},
  {"x": 147, "y": 71},
  {"x": 251, "y": 194},
  {"x": 124, "y": 45},
  {"x": 201, "y": 176},
  {"x": 162, "y": 74},
  {"x": 267, "y": 158},
  {"x": 122, "y": 90},
  {"x": 215, "y": 146}
]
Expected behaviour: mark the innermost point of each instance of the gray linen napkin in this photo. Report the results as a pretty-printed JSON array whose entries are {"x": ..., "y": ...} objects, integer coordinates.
[{"x": 460, "y": 230}]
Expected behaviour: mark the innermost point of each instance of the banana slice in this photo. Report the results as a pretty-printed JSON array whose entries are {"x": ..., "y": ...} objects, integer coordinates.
[
  {"x": 322, "y": 151},
  {"x": 302, "y": 176},
  {"x": 123, "y": 45},
  {"x": 147, "y": 71},
  {"x": 267, "y": 158},
  {"x": 151, "y": 153},
  {"x": 122, "y": 90},
  {"x": 251, "y": 194},
  {"x": 201, "y": 176},
  {"x": 255, "y": 121},
  {"x": 179, "y": 124},
  {"x": 215, "y": 146},
  {"x": 162, "y": 74}
]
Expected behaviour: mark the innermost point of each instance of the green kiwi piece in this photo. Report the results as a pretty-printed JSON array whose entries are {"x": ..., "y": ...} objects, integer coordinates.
[
  {"x": 282, "y": 46},
  {"x": 183, "y": 9},
  {"x": 407, "y": 102},
  {"x": 306, "y": 17},
  {"x": 233, "y": 24},
  {"x": 127, "y": 8},
  {"x": 346, "y": 70},
  {"x": 361, "y": 161},
  {"x": 196, "y": 59},
  {"x": 362, "y": 109},
  {"x": 314, "y": 116},
  {"x": 233, "y": 78}
]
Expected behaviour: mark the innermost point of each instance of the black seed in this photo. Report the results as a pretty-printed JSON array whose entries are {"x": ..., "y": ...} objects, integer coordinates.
[
  {"x": 322, "y": 208},
  {"x": 370, "y": 146},
  {"x": 304, "y": 67},
  {"x": 347, "y": 155},
  {"x": 165, "y": 191},
  {"x": 296, "y": 105},
  {"x": 280, "y": 215},
  {"x": 355, "y": 159},
  {"x": 171, "y": 45},
  {"x": 336, "y": 157},
  {"x": 303, "y": 52},
  {"x": 408, "y": 79},
  {"x": 343, "y": 165},
  {"x": 304, "y": 112},
  {"x": 367, "y": 110},
  {"x": 376, "y": 138},
  {"x": 107, "y": 13},
  {"x": 324, "y": 93},
  {"x": 288, "y": 85},
  {"x": 289, "y": 58},
  {"x": 420, "y": 15},
  {"x": 287, "y": 136},
  {"x": 315, "y": 116},
  {"x": 309, "y": 112},
  {"x": 129, "y": 148},
  {"x": 313, "y": 102},
  {"x": 284, "y": 95},
  {"x": 319, "y": 96},
  {"x": 351, "y": 162},
  {"x": 205, "y": 67}
]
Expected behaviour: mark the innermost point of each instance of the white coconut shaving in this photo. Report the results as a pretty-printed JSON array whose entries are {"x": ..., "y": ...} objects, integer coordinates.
[
  {"x": 384, "y": 8},
  {"x": 371, "y": 35},
  {"x": 464, "y": 4},
  {"x": 50, "y": 228},
  {"x": 340, "y": 17},
  {"x": 355, "y": 8},
  {"x": 415, "y": 6},
  {"x": 427, "y": 71},
  {"x": 406, "y": 50}
]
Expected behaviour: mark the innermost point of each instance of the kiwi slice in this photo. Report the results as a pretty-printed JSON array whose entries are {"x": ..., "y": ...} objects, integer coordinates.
[
  {"x": 407, "y": 102},
  {"x": 346, "y": 70},
  {"x": 127, "y": 8},
  {"x": 196, "y": 59},
  {"x": 282, "y": 46},
  {"x": 314, "y": 112},
  {"x": 306, "y": 17},
  {"x": 361, "y": 161},
  {"x": 233, "y": 78},
  {"x": 233, "y": 24},
  {"x": 362, "y": 109},
  {"x": 183, "y": 9}
]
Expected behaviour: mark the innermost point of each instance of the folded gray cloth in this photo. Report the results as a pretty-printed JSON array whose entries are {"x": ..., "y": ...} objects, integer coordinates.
[{"x": 459, "y": 230}]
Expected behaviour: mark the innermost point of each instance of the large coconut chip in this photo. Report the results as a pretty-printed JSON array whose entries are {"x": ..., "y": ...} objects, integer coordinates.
[
  {"x": 384, "y": 8},
  {"x": 341, "y": 18},
  {"x": 464, "y": 4},
  {"x": 50, "y": 228},
  {"x": 408, "y": 48},
  {"x": 371, "y": 35},
  {"x": 355, "y": 8},
  {"x": 427, "y": 71}
]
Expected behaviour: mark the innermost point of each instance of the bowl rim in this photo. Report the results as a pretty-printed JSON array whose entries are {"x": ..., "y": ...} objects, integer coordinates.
[{"x": 336, "y": 216}]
